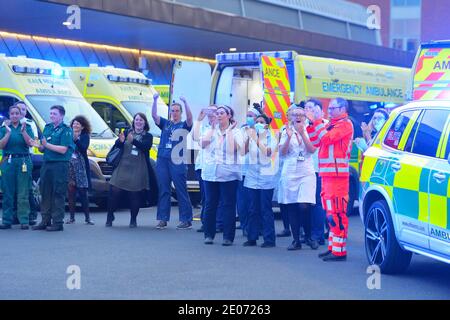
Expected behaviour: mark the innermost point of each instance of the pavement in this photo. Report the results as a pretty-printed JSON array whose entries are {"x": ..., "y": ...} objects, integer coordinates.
[{"x": 146, "y": 263}]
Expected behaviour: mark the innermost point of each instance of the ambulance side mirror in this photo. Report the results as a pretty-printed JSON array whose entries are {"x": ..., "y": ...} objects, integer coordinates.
[{"x": 448, "y": 158}]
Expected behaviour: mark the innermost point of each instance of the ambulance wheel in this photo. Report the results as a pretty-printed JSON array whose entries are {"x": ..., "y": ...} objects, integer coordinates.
[{"x": 382, "y": 248}]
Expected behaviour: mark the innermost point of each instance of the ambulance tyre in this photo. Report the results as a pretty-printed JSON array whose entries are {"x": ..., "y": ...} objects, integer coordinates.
[{"x": 382, "y": 248}]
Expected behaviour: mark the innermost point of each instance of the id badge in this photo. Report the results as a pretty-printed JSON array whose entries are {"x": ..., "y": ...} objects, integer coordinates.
[
  {"x": 300, "y": 158},
  {"x": 49, "y": 138},
  {"x": 134, "y": 151},
  {"x": 74, "y": 156},
  {"x": 24, "y": 168},
  {"x": 168, "y": 146}
]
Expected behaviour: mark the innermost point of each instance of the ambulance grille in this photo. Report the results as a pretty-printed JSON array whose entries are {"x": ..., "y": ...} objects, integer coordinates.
[{"x": 106, "y": 168}]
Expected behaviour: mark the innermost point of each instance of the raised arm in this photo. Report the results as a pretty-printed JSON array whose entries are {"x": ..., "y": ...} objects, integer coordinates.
[
  {"x": 155, "y": 116},
  {"x": 189, "y": 117},
  {"x": 5, "y": 139}
]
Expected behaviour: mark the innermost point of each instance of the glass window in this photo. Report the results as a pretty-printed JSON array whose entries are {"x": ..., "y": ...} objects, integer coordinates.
[
  {"x": 74, "y": 106},
  {"x": 134, "y": 107},
  {"x": 429, "y": 132},
  {"x": 109, "y": 113},
  {"x": 397, "y": 129},
  {"x": 5, "y": 103}
]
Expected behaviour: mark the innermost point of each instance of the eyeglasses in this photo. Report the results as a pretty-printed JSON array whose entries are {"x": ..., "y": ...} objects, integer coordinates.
[{"x": 332, "y": 108}]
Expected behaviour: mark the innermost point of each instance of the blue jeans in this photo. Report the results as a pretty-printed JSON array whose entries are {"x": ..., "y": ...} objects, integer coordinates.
[
  {"x": 223, "y": 193},
  {"x": 166, "y": 172},
  {"x": 318, "y": 214},
  {"x": 242, "y": 205},
  {"x": 260, "y": 213}
]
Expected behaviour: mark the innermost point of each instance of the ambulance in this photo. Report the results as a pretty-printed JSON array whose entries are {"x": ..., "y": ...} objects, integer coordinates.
[
  {"x": 117, "y": 95},
  {"x": 405, "y": 188},
  {"x": 42, "y": 84},
  {"x": 276, "y": 79}
]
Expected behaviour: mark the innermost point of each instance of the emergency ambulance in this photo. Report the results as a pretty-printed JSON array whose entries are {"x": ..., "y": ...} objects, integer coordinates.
[
  {"x": 275, "y": 79},
  {"x": 42, "y": 84}
]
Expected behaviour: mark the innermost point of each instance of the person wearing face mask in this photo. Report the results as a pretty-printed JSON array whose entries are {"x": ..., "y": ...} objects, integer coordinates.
[
  {"x": 297, "y": 185},
  {"x": 379, "y": 118},
  {"x": 171, "y": 165},
  {"x": 242, "y": 192},
  {"x": 223, "y": 144},
  {"x": 15, "y": 140},
  {"x": 260, "y": 183},
  {"x": 133, "y": 173}
]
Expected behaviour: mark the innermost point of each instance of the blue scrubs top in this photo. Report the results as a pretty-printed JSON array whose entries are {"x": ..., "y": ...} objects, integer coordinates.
[{"x": 170, "y": 138}]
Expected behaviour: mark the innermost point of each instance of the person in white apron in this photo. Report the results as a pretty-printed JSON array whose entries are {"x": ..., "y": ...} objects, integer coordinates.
[{"x": 297, "y": 186}]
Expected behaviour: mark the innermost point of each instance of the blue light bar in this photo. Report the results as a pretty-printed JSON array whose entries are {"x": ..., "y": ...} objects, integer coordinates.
[
  {"x": 57, "y": 72},
  {"x": 113, "y": 78},
  {"x": 252, "y": 56}
]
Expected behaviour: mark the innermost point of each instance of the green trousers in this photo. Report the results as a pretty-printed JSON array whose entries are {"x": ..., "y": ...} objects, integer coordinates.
[
  {"x": 53, "y": 186},
  {"x": 15, "y": 181}
]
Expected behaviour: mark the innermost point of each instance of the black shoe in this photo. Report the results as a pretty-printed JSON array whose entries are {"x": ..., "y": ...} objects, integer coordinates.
[
  {"x": 24, "y": 227},
  {"x": 227, "y": 243},
  {"x": 5, "y": 226},
  {"x": 313, "y": 244},
  {"x": 32, "y": 222},
  {"x": 249, "y": 243},
  {"x": 295, "y": 246},
  {"x": 89, "y": 222},
  {"x": 109, "y": 220},
  {"x": 208, "y": 241},
  {"x": 70, "y": 221},
  {"x": 184, "y": 226},
  {"x": 323, "y": 254},
  {"x": 40, "y": 226},
  {"x": 201, "y": 229},
  {"x": 55, "y": 227},
  {"x": 161, "y": 225},
  {"x": 133, "y": 224},
  {"x": 284, "y": 233},
  {"x": 268, "y": 245},
  {"x": 332, "y": 257}
]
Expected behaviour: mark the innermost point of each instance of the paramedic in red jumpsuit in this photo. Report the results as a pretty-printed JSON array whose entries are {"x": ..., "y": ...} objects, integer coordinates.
[{"x": 334, "y": 141}]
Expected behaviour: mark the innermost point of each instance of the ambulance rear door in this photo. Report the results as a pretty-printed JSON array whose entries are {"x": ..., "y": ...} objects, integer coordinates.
[
  {"x": 191, "y": 80},
  {"x": 431, "y": 72},
  {"x": 276, "y": 88}
]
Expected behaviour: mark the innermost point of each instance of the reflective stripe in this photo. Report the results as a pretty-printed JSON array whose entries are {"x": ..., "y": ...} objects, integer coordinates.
[
  {"x": 316, "y": 131},
  {"x": 344, "y": 170},
  {"x": 338, "y": 249},
  {"x": 322, "y": 134},
  {"x": 337, "y": 160},
  {"x": 329, "y": 206},
  {"x": 338, "y": 240}
]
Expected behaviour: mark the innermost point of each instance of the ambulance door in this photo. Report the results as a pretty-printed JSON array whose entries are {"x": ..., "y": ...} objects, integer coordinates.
[
  {"x": 439, "y": 194},
  {"x": 276, "y": 88},
  {"x": 192, "y": 80}
]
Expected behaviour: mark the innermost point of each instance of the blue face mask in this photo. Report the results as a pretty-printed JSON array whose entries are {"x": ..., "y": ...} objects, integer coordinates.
[
  {"x": 259, "y": 127},
  {"x": 250, "y": 121}
]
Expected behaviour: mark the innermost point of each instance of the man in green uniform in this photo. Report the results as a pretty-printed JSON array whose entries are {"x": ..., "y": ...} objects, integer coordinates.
[
  {"x": 57, "y": 146},
  {"x": 15, "y": 140}
]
